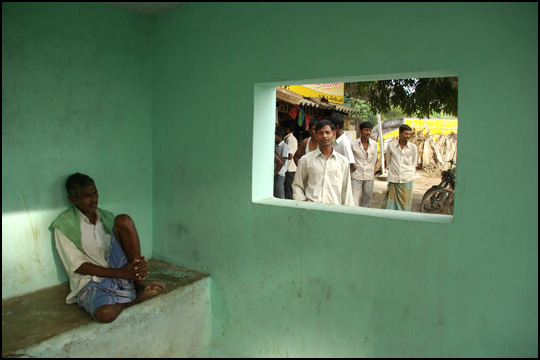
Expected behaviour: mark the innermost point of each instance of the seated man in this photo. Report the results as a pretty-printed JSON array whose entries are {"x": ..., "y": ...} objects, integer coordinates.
[{"x": 101, "y": 254}]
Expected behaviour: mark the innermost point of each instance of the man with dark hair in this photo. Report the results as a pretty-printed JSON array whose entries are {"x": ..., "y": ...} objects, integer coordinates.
[
  {"x": 342, "y": 144},
  {"x": 401, "y": 158},
  {"x": 365, "y": 154},
  {"x": 101, "y": 254},
  {"x": 323, "y": 175},
  {"x": 281, "y": 150},
  {"x": 309, "y": 144},
  {"x": 292, "y": 143}
]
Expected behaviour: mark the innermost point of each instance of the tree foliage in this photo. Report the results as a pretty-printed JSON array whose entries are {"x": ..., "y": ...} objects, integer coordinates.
[{"x": 415, "y": 97}]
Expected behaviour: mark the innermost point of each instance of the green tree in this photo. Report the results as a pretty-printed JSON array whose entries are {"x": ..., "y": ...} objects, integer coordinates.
[
  {"x": 365, "y": 112},
  {"x": 415, "y": 97}
]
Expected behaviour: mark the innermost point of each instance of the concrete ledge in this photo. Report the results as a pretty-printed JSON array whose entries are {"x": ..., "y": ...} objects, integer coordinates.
[{"x": 174, "y": 323}]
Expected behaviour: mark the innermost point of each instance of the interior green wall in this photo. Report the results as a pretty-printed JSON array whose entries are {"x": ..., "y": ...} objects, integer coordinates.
[
  {"x": 75, "y": 98},
  {"x": 295, "y": 282},
  {"x": 78, "y": 95}
]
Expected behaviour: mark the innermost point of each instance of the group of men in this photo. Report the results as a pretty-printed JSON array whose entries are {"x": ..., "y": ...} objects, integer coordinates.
[{"x": 328, "y": 168}]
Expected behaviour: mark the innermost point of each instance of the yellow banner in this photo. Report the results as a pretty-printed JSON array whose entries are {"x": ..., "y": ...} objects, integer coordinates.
[{"x": 333, "y": 92}]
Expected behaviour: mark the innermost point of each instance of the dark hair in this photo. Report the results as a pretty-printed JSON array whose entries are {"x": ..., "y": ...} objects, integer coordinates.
[
  {"x": 404, "y": 127},
  {"x": 366, "y": 125},
  {"x": 313, "y": 122},
  {"x": 280, "y": 132},
  {"x": 337, "y": 119},
  {"x": 288, "y": 124},
  {"x": 76, "y": 181},
  {"x": 323, "y": 123}
]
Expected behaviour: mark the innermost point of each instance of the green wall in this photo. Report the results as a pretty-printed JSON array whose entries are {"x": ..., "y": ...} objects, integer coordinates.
[
  {"x": 285, "y": 281},
  {"x": 297, "y": 282},
  {"x": 75, "y": 98}
]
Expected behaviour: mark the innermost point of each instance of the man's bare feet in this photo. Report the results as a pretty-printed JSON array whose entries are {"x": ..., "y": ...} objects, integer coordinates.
[{"x": 148, "y": 288}]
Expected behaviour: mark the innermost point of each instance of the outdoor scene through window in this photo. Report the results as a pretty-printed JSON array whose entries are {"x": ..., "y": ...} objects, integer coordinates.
[{"x": 397, "y": 141}]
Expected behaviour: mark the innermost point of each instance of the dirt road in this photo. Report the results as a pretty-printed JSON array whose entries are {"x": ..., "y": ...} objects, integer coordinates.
[{"x": 421, "y": 183}]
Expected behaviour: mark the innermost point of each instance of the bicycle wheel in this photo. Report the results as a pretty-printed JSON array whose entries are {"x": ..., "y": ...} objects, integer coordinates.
[{"x": 434, "y": 200}]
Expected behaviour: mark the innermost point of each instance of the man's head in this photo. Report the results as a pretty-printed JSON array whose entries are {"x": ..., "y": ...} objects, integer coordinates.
[
  {"x": 280, "y": 134},
  {"x": 405, "y": 132},
  {"x": 365, "y": 130},
  {"x": 337, "y": 119},
  {"x": 325, "y": 133},
  {"x": 312, "y": 124},
  {"x": 288, "y": 125},
  {"x": 82, "y": 192}
]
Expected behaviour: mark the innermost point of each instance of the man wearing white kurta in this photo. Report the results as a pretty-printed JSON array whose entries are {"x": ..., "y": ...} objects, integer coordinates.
[
  {"x": 365, "y": 154},
  {"x": 323, "y": 175}
]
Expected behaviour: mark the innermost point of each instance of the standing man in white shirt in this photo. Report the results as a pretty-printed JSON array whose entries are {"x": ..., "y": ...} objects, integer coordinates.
[
  {"x": 342, "y": 144},
  {"x": 282, "y": 151},
  {"x": 323, "y": 175},
  {"x": 101, "y": 254},
  {"x": 401, "y": 158},
  {"x": 365, "y": 154},
  {"x": 291, "y": 141}
]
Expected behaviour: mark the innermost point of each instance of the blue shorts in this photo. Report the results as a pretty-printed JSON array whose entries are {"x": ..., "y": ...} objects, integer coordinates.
[{"x": 108, "y": 291}]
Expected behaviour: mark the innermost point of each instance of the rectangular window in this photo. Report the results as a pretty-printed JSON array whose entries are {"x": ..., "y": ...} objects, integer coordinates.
[{"x": 435, "y": 138}]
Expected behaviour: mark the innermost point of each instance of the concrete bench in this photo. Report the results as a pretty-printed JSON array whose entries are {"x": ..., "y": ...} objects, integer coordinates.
[{"x": 173, "y": 323}]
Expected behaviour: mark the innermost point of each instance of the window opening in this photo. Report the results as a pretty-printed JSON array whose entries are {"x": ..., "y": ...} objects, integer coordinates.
[{"x": 428, "y": 105}]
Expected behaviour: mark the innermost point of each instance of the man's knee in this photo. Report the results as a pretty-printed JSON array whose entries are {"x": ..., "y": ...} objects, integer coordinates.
[
  {"x": 123, "y": 221},
  {"x": 106, "y": 314}
]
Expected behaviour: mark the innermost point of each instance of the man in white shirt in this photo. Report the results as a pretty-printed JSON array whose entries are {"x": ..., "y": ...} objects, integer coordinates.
[
  {"x": 101, "y": 254},
  {"x": 291, "y": 141},
  {"x": 323, "y": 175},
  {"x": 282, "y": 151},
  {"x": 342, "y": 144},
  {"x": 401, "y": 158},
  {"x": 365, "y": 154}
]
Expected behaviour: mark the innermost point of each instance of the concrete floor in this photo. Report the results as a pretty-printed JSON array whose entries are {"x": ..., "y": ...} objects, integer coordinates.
[{"x": 34, "y": 317}]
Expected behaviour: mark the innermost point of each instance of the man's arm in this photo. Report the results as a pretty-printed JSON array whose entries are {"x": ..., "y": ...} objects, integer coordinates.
[
  {"x": 299, "y": 151},
  {"x": 74, "y": 261},
  {"x": 135, "y": 270},
  {"x": 388, "y": 157},
  {"x": 300, "y": 180},
  {"x": 279, "y": 162},
  {"x": 346, "y": 192},
  {"x": 350, "y": 156}
]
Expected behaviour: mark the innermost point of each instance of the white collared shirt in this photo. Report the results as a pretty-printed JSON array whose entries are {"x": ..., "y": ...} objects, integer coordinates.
[
  {"x": 95, "y": 241},
  {"x": 401, "y": 162},
  {"x": 343, "y": 146},
  {"x": 282, "y": 149},
  {"x": 323, "y": 180},
  {"x": 365, "y": 159},
  {"x": 293, "y": 146}
]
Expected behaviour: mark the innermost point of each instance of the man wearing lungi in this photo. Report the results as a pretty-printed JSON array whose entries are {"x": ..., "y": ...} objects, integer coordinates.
[
  {"x": 401, "y": 157},
  {"x": 101, "y": 254}
]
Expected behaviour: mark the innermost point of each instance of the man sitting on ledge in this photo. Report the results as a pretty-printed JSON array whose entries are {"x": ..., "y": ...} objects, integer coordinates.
[{"x": 101, "y": 254}]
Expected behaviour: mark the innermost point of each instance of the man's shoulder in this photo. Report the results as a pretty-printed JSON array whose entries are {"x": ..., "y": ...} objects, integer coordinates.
[
  {"x": 310, "y": 156},
  {"x": 290, "y": 138},
  {"x": 341, "y": 158},
  {"x": 68, "y": 214}
]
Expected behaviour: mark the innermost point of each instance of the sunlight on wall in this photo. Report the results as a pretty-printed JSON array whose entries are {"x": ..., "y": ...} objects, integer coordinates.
[{"x": 29, "y": 257}]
